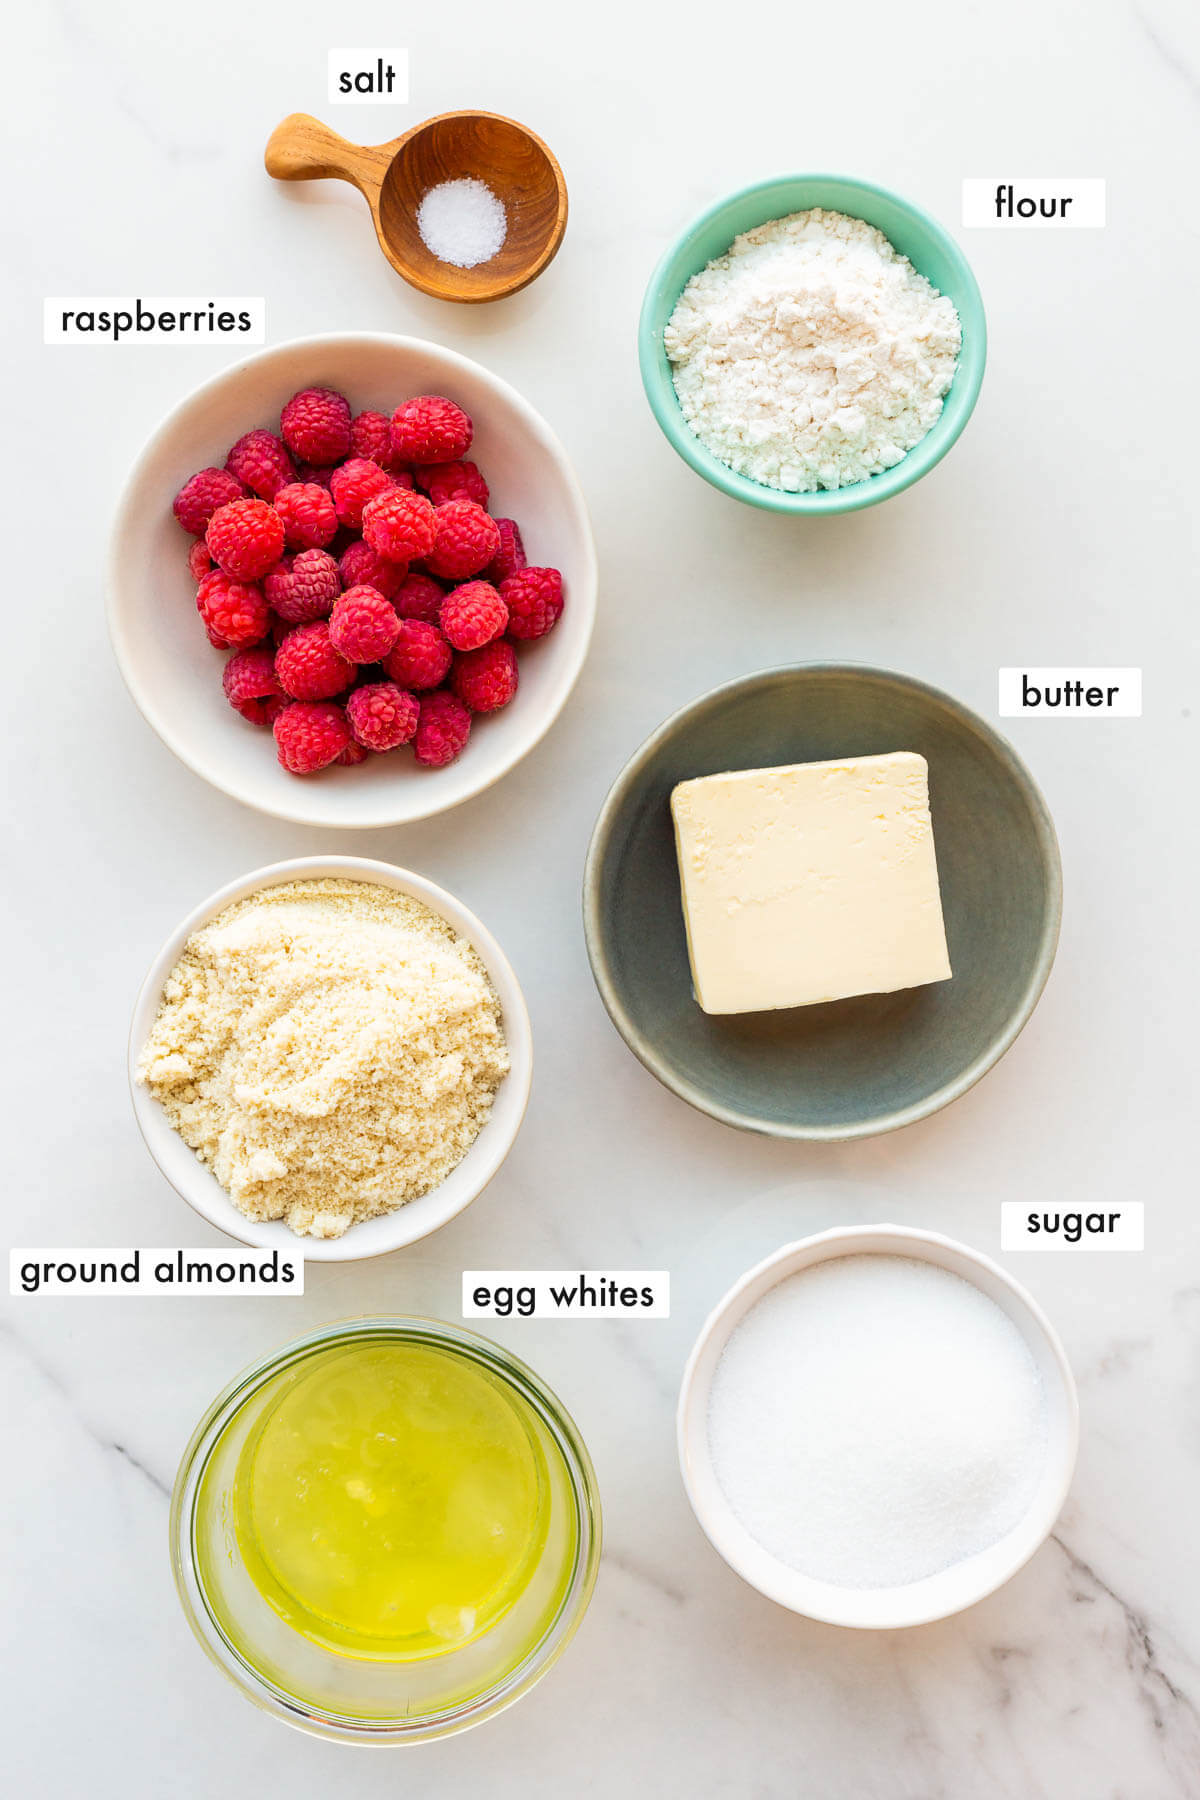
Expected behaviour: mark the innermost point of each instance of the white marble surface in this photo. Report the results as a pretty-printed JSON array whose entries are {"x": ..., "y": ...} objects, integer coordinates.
[{"x": 1061, "y": 529}]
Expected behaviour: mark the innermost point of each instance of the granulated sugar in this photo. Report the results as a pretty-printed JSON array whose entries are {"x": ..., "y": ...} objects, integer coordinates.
[
  {"x": 462, "y": 222},
  {"x": 330, "y": 1049},
  {"x": 812, "y": 354},
  {"x": 876, "y": 1419}
]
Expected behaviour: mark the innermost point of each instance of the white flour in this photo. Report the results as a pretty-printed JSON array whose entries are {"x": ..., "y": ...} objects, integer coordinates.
[{"x": 811, "y": 355}]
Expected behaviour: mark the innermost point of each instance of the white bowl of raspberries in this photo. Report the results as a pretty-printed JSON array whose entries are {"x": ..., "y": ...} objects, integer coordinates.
[{"x": 352, "y": 580}]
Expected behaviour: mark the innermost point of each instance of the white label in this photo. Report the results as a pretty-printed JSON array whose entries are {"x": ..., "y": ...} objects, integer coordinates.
[
  {"x": 184, "y": 1273},
  {"x": 1028, "y": 1225},
  {"x": 368, "y": 77},
  {"x": 1046, "y": 201},
  {"x": 153, "y": 319},
  {"x": 1070, "y": 693},
  {"x": 566, "y": 1293}
]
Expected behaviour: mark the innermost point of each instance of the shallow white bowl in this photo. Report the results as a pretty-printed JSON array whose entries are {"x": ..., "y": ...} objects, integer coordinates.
[
  {"x": 918, "y": 1602},
  {"x": 373, "y": 1237},
  {"x": 175, "y": 676}
]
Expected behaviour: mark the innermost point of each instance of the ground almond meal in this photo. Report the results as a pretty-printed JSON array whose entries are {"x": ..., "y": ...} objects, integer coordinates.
[{"x": 330, "y": 1049}]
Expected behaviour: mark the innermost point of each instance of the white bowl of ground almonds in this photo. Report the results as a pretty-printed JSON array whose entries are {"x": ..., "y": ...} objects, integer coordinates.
[{"x": 330, "y": 1056}]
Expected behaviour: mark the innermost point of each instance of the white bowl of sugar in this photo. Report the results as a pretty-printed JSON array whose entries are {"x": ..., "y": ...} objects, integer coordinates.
[{"x": 877, "y": 1427}]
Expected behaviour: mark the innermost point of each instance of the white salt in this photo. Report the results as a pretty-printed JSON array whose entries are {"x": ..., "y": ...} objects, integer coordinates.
[
  {"x": 462, "y": 222},
  {"x": 875, "y": 1419}
]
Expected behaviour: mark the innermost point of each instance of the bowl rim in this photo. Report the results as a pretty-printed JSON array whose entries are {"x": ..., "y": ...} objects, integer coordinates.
[
  {"x": 311, "y": 807},
  {"x": 917, "y": 462},
  {"x": 595, "y": 934},
  {"x": 201, "y": 1190},
  {"x": 801, "y": 1593},
  {"x": 460, "y": 1340}
]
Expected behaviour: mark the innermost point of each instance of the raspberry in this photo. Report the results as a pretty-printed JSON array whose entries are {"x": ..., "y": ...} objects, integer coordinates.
[
  {"x": 235, "y": 615},
  {"x": 261, "y": 462},
  {"x": 382, "y": 715},
  {"x": 302, "y": 588},
  {"x": 309, "y": 472},
  {"x": 399, "y": 524},
  {"x": 309, "y": 738},
  {"x": 308, "y": 515},
  {"x": 371, "y": 436},
  {"x": 356, "y": 482},
  {"x": 511, "y": 555},
  {"x": 485, "y": 680},
  {"x": 360, "y": 564},
  {"x": 307, "y": 665},
  {"x": 353, "y": 753},
  {"x": 419, "y": 597},
  {"x": 466, "y": 540},
  {"x": 245, "y": 538},
  {"x": 420, "y": 658},
  {"x": 363, "y": 625},
  {"x": 453, "y": 481},
  {"x": 316, "y": 426},
  {"x": 442, "y": 729},
  {"x": 199, "y": 498},
  {"x": 430, "y": 429},
  {"x": 534, "y": 598},
  {"x": 250, "y": 685},
  {"x": 473, "y": 615},
  {"x": 200, "y": 562}
]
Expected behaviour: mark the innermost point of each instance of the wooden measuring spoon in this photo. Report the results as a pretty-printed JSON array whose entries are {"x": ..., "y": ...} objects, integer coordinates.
[{"x": 393, "y": 178}]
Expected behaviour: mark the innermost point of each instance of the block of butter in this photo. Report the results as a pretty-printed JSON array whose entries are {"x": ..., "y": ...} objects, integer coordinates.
[{"x": 810, "y": 882}]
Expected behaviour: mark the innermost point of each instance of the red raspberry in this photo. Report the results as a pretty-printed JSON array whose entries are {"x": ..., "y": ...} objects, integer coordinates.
[
  {"x": 356, "y": 482},
  {"x": 235, "y": 615},
  {"x": 371, "y": 436},
  {"x": 199, "y": 498},
  {"x": 453, "y": 481},
  {"x": 430, "y": 429},
  {"x": 304, "y": 587},
  {"x": 363, "y": 625},
  {"x": 420, "y": 657},
  {"x": 485, "y": 680},
  {"x": 309, "y": 472},
  {"x": 534, "y": 598},
  {"x": 309, "y": 518},
  {"x": 245, "y": 538},
  {"x": 382, "y": 715},
  {"x": 250, "y": 685},
  {"x": 419, "y": 597},
  {"x": 353, "y": 753},
  {"x": 309, "y": 667},
  {"x": 442, "y": 729},
  {"x": 473, "y": 615},
  {"x": 511, "y": 555},
  {"x": 316, "y": 426},
  {"x": 261, "y": 462},
  {"x": 309, "y": 738},
  {"x": 466, "y": 540},
  {"x": 200, "y": 562},
  {"x": 360, "y": 565},
  {"x": 400, "y": 525}
]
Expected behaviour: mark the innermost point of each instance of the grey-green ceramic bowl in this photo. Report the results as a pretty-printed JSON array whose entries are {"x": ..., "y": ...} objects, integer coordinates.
[{"x": 850, "y": 1068}]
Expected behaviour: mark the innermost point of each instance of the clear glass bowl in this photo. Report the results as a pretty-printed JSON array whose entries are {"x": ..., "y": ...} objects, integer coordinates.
[{"x": 348, "y": 1697}]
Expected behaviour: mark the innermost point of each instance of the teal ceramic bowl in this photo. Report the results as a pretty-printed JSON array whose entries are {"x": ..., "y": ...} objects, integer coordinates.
[
  {"x": 847, "y": 1068},
  {"x": 927, "y": 245}
]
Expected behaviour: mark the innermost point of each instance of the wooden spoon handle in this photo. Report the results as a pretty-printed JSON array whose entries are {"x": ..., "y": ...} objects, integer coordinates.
[{"x": 302, "y": 149}]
